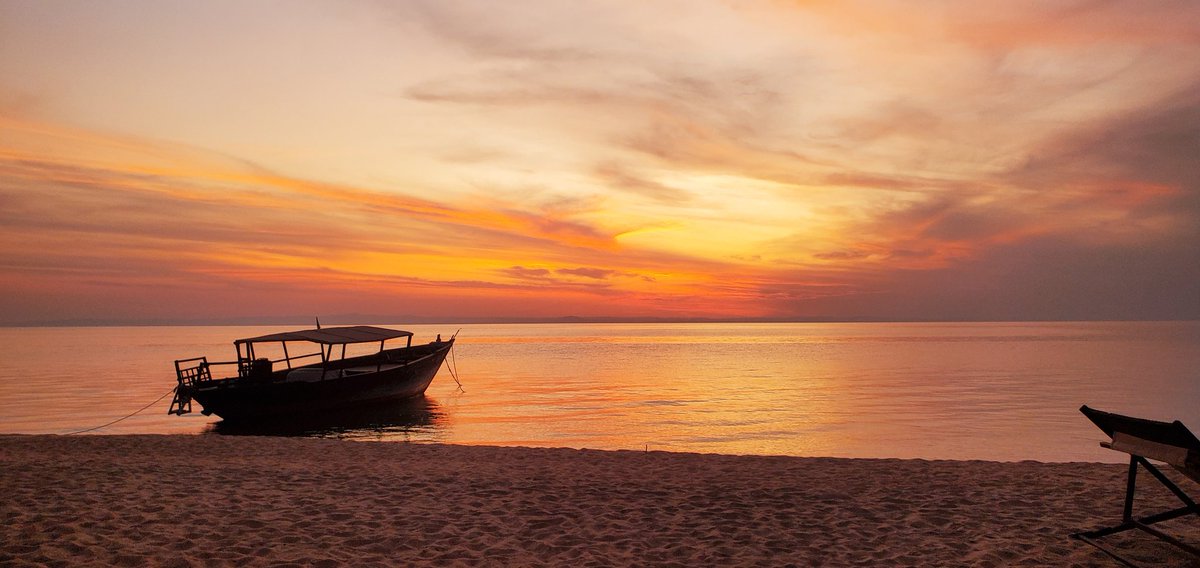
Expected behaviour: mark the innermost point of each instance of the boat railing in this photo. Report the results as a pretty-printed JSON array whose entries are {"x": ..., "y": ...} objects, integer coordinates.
[
  {"x": 263, "y": 368},
  {"x": 288, "y": 360},
  {"x": 188, "y": 372},
  {"x": 191, "y": 371},
  {"x": 198, "y": 369}
]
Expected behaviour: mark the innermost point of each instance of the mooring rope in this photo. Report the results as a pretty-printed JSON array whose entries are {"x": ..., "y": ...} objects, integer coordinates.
[
  {"x": 139, "y": 411},
  {"x": 453, "y": 368}
]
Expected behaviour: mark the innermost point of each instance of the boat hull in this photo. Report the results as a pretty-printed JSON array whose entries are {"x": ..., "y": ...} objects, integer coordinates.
[{"x": 235, "y": 400}]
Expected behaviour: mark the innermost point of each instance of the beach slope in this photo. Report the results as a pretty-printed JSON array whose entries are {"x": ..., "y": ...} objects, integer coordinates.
[{"x": 250, "y": 501}]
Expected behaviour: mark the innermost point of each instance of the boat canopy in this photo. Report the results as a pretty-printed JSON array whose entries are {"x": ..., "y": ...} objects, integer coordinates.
[{"x": 332, "y": 335}]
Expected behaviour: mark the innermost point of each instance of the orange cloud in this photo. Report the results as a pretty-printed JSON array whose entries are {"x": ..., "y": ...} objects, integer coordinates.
[
  {"x": 774, "y": 160},
  {"x": 149, "y": 227}
]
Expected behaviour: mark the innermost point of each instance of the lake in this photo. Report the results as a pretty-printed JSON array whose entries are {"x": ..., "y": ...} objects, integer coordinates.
[{"x": 996, "y": 391}]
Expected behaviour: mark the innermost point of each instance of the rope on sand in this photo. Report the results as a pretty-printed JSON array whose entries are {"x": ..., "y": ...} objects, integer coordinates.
[{"x": 139, "y": 411}]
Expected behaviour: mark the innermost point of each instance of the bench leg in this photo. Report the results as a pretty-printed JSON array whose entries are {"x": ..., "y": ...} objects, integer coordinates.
[{"x": 1143, "y": 524}]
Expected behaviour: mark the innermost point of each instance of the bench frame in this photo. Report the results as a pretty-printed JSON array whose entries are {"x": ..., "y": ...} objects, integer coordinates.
[{"x": 1139, "y": 449}]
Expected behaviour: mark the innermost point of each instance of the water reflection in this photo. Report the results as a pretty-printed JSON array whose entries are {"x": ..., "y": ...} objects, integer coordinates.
[
  {"x": 414, "y": 419},
  {"x": 957, "y": 390}
]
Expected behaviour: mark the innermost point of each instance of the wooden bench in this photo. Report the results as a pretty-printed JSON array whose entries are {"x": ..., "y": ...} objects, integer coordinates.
[{"x": 1168, "y": 442}]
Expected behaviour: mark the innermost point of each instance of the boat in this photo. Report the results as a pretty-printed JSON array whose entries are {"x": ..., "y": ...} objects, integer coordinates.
[{"x": 275, "y": 389}]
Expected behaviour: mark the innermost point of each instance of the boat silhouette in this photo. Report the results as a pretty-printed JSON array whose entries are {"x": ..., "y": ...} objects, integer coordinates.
[{"x": 265, "y": 389}]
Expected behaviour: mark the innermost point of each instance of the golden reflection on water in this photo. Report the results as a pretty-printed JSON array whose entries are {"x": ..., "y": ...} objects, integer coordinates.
[
  {"x": 989, "y": 391},
  {"x": 998, "y": 391}
]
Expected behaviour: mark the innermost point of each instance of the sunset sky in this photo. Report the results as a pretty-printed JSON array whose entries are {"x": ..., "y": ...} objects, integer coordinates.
[{"x": 185, "y": 161}]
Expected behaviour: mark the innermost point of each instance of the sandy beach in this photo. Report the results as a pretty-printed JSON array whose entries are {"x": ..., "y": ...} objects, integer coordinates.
[{"x": 213, "y": 500}]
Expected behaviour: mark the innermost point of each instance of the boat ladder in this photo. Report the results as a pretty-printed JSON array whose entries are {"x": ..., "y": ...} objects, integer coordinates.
[{"x": 188, "y": 372}]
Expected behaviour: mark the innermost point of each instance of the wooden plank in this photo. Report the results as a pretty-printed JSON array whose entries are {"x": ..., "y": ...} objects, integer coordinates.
[{"x": 1129, "y": 444}]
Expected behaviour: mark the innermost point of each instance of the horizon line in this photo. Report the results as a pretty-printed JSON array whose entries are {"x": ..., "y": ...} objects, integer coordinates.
[{"x": 359, "y": 319}]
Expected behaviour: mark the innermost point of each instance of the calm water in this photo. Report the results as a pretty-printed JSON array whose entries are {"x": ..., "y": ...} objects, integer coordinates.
[{"x": 1005, "y": 391}]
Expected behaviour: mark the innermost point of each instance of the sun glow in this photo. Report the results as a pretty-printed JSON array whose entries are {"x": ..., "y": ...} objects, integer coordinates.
[{"x": 765, "y": 160}]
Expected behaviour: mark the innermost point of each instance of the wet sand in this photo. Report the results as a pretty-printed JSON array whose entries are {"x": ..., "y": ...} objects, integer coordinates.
[{"x": 214, "y": 500}]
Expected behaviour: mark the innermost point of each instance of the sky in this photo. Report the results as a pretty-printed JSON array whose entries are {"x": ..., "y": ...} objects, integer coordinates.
[{"x": 806, "y": 160}]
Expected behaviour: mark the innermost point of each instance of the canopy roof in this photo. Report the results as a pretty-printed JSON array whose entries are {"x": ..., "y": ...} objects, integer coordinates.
[{"x": 333, "y": 335}]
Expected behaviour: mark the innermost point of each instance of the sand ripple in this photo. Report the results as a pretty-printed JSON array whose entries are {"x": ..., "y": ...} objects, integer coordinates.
[{"x": 244, "y": 501}]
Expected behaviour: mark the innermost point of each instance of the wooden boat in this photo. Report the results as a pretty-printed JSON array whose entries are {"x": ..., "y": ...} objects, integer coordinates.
[{"x": 266, "y": 389}]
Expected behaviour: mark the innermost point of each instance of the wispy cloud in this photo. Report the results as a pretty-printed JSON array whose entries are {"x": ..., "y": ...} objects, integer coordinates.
[
  {"x": 115, "y": 225},
  {"x": 773, "y": 159}
]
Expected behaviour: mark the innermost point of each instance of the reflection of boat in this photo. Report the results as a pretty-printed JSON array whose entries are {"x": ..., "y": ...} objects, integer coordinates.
[
  {"x": 414, "y": 415},
  {"x": 260, "y": 391}
]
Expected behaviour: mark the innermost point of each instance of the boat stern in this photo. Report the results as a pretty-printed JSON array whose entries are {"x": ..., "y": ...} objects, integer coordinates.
[{"x": 188, "y": 372}]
